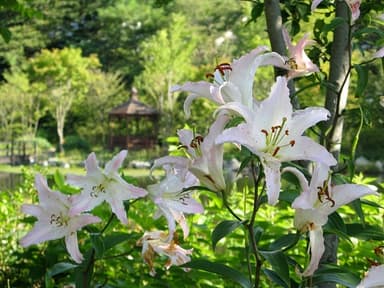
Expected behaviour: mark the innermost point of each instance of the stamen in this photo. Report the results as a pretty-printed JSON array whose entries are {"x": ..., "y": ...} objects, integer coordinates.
[
  {"x": 292, "y": 143},
  {"x": 265, "y": 132},
  {"x": 209, "y": 75},
  {"x": 276, "y": 150}
]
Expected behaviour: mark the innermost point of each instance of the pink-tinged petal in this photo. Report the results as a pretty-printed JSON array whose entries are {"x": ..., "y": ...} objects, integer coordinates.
[
  {"x": 47, "y": 197},
  {"x": 80, "y": 221},
  {"x": 170, "y": 220},
  {"x": 315, "y": 3},
  {"x": 84, "y": 202},
  {"x": 91, "y": 164},
  {"x": 379, "y": 53},
  {"x": 307, "y": 149},
  {"x": 316, "y": 241},
  {"x": 272, "y": 58},
  {"x": 116, "y": 162},
  {"x": 76, "y": 180},
  {"x": 354, "y": 6},
  {"x": 272, "y": 180},
  {"x": 180, "y": 219},
  {"x": 374, "y": 278},
  {"x": 287, "y": 38},
  {"x": 305, "y": 118},
  {"x": 118, "y": 209},
  {"x": 187, "y": 205},
  {"x": 33, "y": 210},
  {"x": 42, "y": 232},
  {"x": 346, "y": 193},
  {"x": 73, "y": 247},
  {"x": 179, "y": 162}
]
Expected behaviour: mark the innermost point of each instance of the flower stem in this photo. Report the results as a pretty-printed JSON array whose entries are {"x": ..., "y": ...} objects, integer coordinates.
[{"x": 256, "y": 205}]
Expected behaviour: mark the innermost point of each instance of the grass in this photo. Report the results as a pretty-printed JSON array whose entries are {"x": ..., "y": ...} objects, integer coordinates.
[{"x": 78, "y": 170}]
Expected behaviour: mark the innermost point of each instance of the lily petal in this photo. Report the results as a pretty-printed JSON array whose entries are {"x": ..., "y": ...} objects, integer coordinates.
[
  {"x": 113, "y": 165},
  {"x": 307, "y": 149},
  {"x": 374, "y": 278},
  {"x": 317, "y": 248},
  {"x": 73, "y": 247},
  {"x": 272, "y": 180},
  {"x": 346, "y": 193},
  {"x": 305, "y": 118}
]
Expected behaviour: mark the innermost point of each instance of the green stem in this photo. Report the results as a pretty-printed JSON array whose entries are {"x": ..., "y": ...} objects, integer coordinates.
[
  {"x": 226, "y": 204},
  {"x": 251, "y": 230}
]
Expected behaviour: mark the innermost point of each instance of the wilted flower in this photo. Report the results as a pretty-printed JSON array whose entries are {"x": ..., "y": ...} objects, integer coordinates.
[
  {"x": 53, "y": 219},
  {"x": 318, "y": 200},
  {"x": 98, "y": 186},
  {"x": 273, "y": 132},
  {"x": 156, "y": 242}
]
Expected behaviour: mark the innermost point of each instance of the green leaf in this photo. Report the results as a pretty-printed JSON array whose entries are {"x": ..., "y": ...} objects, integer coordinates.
[
  {"x": 59, "y": 268},
  {"x": 5, "y": 33},
  {"x": 335, "y": 274},
  {"x": 220, "y": 269},
  {"x": 84, "y": 272},
  {"x": 275, "y": 277},
  {"x": 279, "y": 263},
  {"x": 356, "y": 205},
  {"x": 98, "y": 245},
  {"x": 62, "y": 185},
  {"x": 223, "y": 229},
  {"x": 362, "y": 80},
  {"x": 285, "y": 242},
  {"x": 365, "y": 232},
  {"x": 116, "y": 238}
]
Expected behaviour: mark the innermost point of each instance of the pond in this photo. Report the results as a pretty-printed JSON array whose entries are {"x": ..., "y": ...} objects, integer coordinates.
[{"x": 9, "y": 181}]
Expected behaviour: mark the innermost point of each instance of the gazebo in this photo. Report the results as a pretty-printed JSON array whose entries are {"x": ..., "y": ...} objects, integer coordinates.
[{"x": 133, "y": 125}]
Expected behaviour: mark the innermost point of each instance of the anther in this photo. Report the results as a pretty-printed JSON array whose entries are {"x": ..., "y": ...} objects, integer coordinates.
[
  {"x": 292, "y": 143},
  {"x": 276, "y": 150},
  {"x": 265, "y": 132}
]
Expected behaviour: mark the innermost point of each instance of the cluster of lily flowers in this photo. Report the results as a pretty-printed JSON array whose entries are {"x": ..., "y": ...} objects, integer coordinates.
[{"x": 271, "y": 130}]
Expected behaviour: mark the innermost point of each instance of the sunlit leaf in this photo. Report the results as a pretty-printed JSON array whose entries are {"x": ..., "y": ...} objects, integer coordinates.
[
  {"x": 285, "y": 242},
  {"x": 223, "y": 229}
]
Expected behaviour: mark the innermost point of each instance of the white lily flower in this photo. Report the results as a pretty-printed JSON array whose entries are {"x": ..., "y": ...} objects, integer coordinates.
[
  {"x": 273, "y": 132},
  {"x": 156, "y": 242},
  {"x": 354, "y": 6},
  {"x": 54, "y": 221},
  {"x": 231, "y": 82},
  {"x": 172, "y": 201},
  {"x": 318, "y": 200},
  {"x": 298, "y": 63},
  {"x": 374, "y": 278},
  {"x": 99, "y": 186}
]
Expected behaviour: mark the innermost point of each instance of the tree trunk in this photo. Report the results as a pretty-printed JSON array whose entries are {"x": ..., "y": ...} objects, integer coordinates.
[{"x": 336, "y": 99}]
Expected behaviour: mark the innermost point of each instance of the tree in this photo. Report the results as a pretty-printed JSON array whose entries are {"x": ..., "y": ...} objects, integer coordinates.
[
  {"x": 168, "y": 51},
  {"x": 64, "y": 75}
]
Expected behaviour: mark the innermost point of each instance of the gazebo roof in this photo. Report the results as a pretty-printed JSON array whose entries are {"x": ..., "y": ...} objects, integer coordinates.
[{"x": 133, "y": 107}]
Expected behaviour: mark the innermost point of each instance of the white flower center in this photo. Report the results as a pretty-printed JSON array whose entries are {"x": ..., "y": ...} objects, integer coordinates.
[
  {"x": 58, "y": 220},
  {"x": 221, "y": 74},
  {"x": 97, "y": 189},
  {"x": 274, "y": 136}
]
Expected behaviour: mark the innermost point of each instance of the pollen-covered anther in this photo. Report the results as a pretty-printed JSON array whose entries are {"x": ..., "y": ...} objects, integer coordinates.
[
  {"x": 276, "y": 151},
  {"x": 209, "y": 75},
  {"x": 223, "y": 67},
  {"x": 264, "y": 132},
  {"x": 292, "y": 143}
]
